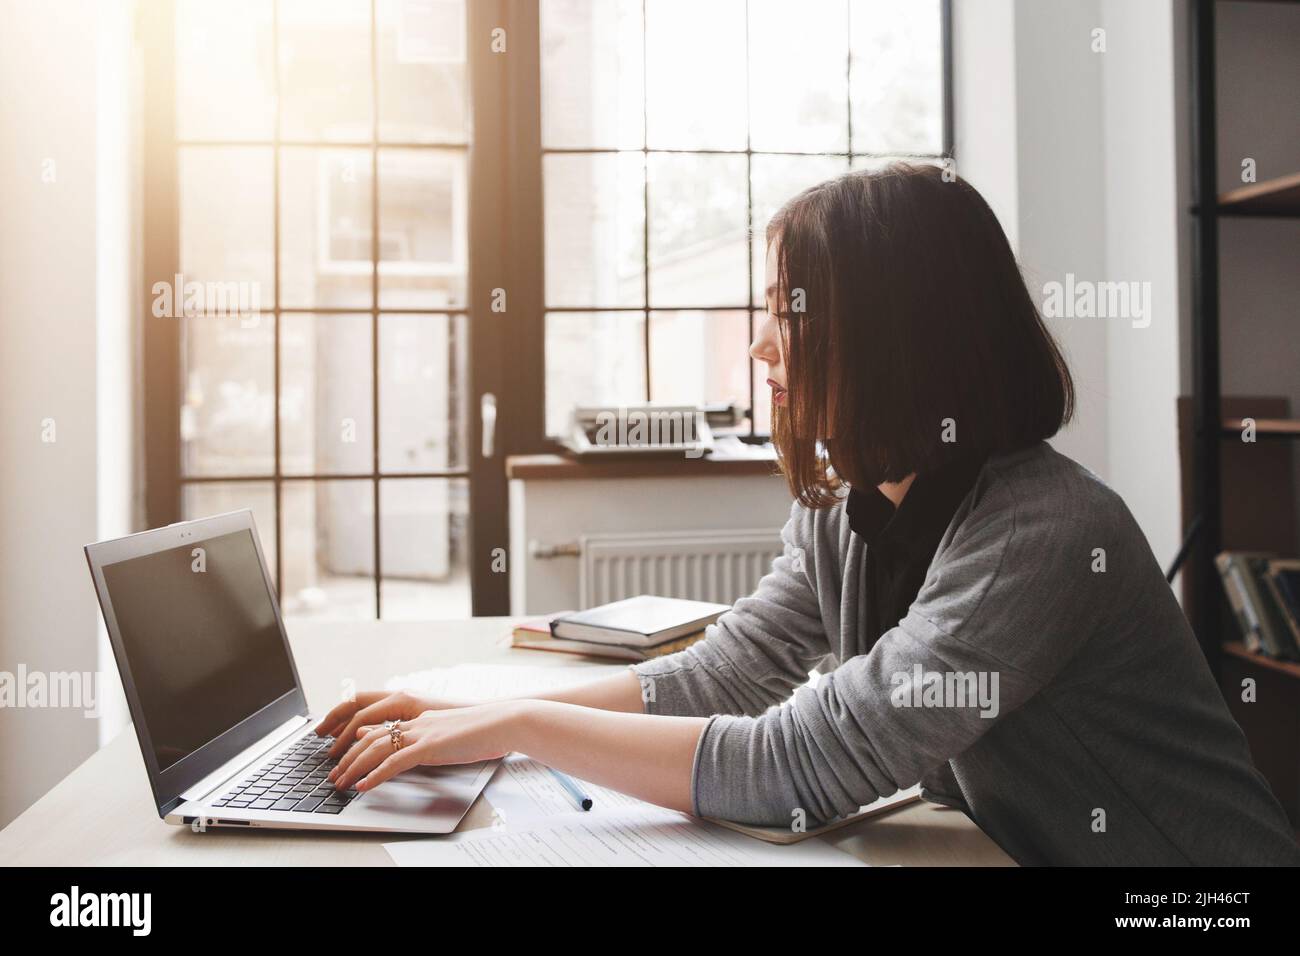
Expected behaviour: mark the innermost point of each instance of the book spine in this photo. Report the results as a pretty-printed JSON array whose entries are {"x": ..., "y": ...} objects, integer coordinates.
[
  {"x": 1272, "y": 617},
  {"x": 1232, "y": 587},
  {"x": 1285, "y": 610},
  {"x": 1259, "y": 611}
]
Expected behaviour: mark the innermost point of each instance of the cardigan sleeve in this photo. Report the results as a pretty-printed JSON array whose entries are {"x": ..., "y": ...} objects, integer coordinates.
[
  {"x": 1005, "y": 606},
  {"x": 761, "y": 649}
]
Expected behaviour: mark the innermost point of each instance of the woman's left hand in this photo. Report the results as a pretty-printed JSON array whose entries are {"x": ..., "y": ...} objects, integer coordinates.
[{"x": 435, "y": 738}]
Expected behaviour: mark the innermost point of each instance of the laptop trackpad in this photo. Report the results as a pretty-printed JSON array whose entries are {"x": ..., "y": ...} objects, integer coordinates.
[{"x": 426, "y": 790}]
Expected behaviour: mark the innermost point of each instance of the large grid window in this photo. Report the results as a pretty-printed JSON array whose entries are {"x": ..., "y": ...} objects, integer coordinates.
[
  {"x": 318, "y": 152},
  {"x": 321, "y": 161},
  {"x": 671, "y": 131}
]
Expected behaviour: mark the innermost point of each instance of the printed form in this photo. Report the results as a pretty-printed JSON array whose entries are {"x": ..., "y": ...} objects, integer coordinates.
[{"x": 625, "y": 837}]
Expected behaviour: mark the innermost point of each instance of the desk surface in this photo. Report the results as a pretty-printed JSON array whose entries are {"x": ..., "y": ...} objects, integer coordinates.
[{"x": 103, "y": 813}]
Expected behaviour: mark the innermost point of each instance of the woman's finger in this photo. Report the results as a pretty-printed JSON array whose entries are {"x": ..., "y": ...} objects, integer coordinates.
[
  {"x": 390, "y": 707},
  {"x": 358, "y": 747},
  {"x": 395, "y": 763},
  {"x": 379, "y": 749},
  {"x": 336, "y": 718}
]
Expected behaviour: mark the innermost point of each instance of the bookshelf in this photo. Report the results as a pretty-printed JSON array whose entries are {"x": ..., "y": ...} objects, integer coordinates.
[
  {"x": 1273, "y": 197},
  {"x": 1237, "y": 649},
  {"x": 1276, "y": 197},
  {"x": 1271, "y": 723}
]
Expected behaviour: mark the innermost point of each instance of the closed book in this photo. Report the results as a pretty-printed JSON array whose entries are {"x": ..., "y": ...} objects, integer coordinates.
[
  {"x": 618, "y": 652},
  {"x": 1273, "y": 610},
  {"x": 641, "y": 621},
  {"x": 1256, "y": 620},
  {"x": 1272, "y": 619},
  {"x": 1284, "y": 582},
  {"x": 1248, "y": 570},
  {"x": 1237, "y": 601}
]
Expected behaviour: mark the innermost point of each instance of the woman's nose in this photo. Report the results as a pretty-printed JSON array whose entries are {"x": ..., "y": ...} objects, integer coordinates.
[{"x": 764, "y": 348}]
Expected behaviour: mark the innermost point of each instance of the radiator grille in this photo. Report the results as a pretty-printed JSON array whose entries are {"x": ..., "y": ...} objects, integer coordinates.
[{"x": 721, "y": 566}]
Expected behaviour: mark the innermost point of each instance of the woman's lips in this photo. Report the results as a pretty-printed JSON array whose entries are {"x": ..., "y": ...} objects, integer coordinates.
[{"x": 778, "y": 392}]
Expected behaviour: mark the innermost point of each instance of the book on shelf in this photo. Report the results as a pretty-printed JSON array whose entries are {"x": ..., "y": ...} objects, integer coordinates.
[
  {"x": 1283, "y": 579},
  {"x": 1257, "y": 584}
]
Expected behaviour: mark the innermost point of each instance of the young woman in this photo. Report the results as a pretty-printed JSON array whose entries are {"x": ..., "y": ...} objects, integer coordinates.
[{"x": 988, "y": 616}]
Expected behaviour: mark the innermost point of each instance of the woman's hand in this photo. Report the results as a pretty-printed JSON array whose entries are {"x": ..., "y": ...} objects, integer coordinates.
[
  {"x": 647, "y": 756},
  {"x": 374, "y": 707},
  {"x": 434, "y": 738}
]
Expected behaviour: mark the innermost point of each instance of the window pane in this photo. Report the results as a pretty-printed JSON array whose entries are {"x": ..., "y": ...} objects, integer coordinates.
[
  {"x": 226, "y": 222},
  {"x": 699, "y": 357},
  {"x": 698, "y": 230},
  {"x": 595, "y": 229},
  {"x": 227, "y": 424},
  {"x": 777, "y": 179},
  {"x": 424, "y": 539},
  {"x": 423, "y": 382},
  {"x": 592, "y": 81},
  {"x": 422, "y": 228},
  {"x": 798, "y": 55},
  {"x": 225, "y": 70},
  {"x": 695, "y": 74},
  {"x": 215, "y": 498},
  {"x": 325, "y": 247},
  {"x": 592, "y": 358},
  {"x": 421, "y": 70},
  {"x": 880, "y": 162},
  {"x": 896, "y": 79},
  {"x": 329, "y": 549},
  {"x": 325, "y": 70},
  {"x": 326, "y": 423}
]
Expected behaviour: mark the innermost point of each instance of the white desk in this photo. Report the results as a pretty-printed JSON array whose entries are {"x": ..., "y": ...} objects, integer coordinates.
[{"x": 103, "y": 813}]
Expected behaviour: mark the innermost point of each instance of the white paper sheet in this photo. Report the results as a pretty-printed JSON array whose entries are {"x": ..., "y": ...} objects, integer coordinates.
[
  {"x": 485, "y": 681},
  {"x": 524, "y": 792},
  {"x": 627, "y": 837}
]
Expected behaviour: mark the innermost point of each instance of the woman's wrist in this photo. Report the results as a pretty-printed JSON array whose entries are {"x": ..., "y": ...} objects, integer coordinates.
[
  {"x": 506, "y": 724},
  {"x": 518, "y": 721}
]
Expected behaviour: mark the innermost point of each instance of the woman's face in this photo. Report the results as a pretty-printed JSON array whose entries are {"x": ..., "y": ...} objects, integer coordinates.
[{"x": 766, "y": 346}]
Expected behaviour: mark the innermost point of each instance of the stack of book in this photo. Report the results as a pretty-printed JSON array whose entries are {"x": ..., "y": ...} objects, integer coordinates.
[
  {"x": 636, "y": 629},
  {"x": 1264, "y": 592}
]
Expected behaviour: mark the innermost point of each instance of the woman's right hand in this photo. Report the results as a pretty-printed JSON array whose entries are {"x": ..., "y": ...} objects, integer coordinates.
[{"x": 371, "y": 708}]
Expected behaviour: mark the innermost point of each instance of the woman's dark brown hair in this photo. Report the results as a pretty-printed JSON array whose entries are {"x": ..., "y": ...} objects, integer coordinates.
[{"x": 909, "y": 337}]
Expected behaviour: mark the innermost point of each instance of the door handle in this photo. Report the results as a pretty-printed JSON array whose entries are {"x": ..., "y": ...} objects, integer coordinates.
[{"x": 487, "y": 410}]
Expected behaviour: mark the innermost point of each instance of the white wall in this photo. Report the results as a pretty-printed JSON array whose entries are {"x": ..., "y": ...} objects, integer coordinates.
[
  {"x": 1144, "y": 213},
  {"x": 119, "y": 301},
  {"x": 1076, "y": 152},
  {"x": 51, "y": 316}
]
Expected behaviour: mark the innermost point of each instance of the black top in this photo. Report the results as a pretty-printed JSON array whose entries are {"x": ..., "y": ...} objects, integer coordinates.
[{"x": 901, "y": 542}]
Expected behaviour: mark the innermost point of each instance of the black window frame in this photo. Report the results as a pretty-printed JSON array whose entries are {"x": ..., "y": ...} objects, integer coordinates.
[{"x": 506, "y": 251}]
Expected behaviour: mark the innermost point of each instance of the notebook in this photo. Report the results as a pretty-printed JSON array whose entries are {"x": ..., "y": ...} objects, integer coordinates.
[
  {"x": 786, "y": 835},
  {"x": 641, "y": 621}
]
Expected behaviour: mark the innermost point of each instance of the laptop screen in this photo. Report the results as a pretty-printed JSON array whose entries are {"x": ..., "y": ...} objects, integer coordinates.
[{"x": 201, "y": 640}]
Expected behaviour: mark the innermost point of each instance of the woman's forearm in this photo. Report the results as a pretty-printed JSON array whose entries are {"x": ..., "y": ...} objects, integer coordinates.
[
  {"x": 650, "y": 757},
  {"x": 618, "y": 692}
]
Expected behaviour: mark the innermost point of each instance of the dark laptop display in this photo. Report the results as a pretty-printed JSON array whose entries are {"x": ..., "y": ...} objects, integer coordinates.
[{"x": 201, "y": 634}]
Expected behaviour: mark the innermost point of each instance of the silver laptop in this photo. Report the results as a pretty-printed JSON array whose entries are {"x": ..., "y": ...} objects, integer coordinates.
[{"x": 214, "y": 693}]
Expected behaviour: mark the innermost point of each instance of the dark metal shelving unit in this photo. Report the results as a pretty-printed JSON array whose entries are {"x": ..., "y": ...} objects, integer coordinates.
[{"x": 1273, "y": 198}]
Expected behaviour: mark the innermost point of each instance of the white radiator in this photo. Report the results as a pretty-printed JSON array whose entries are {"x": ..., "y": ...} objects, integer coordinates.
[{"x": 721, "y": 566}]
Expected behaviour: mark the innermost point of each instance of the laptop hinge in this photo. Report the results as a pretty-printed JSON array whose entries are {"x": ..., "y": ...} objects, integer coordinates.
[{"x": 237, "y": 763}]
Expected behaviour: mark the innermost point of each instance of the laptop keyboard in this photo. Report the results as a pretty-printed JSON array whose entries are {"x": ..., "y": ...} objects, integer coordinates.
[{"x": 294, "y": 780}]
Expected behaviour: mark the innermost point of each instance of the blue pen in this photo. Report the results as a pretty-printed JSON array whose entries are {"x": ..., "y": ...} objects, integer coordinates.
[{"x": 567, "y": 783}]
